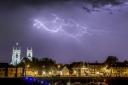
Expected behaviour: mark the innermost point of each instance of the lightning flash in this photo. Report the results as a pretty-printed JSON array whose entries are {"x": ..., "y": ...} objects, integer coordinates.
[{"x": 59, "y": 25}]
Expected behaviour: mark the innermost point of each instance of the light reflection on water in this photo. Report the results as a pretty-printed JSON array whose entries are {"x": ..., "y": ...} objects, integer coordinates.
[{"x": 36, "y": 81}]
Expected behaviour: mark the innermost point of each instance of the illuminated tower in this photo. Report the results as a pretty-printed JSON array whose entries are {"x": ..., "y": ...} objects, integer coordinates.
[
  {"x": 29, "y": 53},
  {"x": 16, "y": 55}
]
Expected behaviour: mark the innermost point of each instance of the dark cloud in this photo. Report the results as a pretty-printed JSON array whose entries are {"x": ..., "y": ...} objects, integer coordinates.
[
  {"x": 98, "y": 3},
  {"x": 28, "y": 2},
  {"x": 94, "y": 3},
  {"x": 106, "y": 34}
]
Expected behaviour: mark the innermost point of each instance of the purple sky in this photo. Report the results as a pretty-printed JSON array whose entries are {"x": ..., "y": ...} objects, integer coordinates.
[{"x": 86, "y": 33}]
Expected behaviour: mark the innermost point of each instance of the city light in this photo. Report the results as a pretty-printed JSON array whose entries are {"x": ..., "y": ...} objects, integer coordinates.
[{"x": 28, "y": 66}]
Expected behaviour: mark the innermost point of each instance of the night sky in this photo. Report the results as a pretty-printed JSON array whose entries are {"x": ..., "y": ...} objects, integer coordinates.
[{"x": 65, "y": 30}]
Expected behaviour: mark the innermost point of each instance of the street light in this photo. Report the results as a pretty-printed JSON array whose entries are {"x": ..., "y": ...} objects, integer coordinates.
[
  {"x": 35, "y": 73},
  {"x": 26, "y": 66}
]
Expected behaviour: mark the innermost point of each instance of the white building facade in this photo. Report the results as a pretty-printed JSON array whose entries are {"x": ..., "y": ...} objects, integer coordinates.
[
  {"x": 29, "y": 53},
  {"x": 17, "y": 57}
]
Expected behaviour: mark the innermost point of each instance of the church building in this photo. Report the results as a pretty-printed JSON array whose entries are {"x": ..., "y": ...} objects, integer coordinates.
[{"x": 16, "y": 54}]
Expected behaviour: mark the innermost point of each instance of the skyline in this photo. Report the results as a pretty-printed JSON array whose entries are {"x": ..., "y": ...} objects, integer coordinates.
[
  {"x": 29, "y": 52},
  {"x": 65, "y": 30}
]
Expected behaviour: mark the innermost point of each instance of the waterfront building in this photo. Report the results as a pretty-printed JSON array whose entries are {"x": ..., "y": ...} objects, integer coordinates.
[
  {"x": 15, "y": 71},
  {"x": 7, "y": 70},
  {"x": 64, "y": 71},
  {"x": 119, "y": 69},
  {"x": 3, "y": 69}
]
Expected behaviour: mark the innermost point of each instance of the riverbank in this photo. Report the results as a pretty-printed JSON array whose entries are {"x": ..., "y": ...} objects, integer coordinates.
[{"x": 62, "y": 80}]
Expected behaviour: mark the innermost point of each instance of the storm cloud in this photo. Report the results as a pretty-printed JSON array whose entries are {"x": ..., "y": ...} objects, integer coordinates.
[{"x": 103, "y": 24}]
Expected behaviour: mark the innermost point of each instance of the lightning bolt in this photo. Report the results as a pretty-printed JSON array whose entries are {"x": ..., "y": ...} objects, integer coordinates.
[
  {"x": 58, "y": 25},
  {"x": 39, "y": 25}
]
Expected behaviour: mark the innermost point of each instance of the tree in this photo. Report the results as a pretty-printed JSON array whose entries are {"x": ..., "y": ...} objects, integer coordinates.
[
  {"x": 125, "y": 62},
  {"x": 111, "y": 60},
  {"x": 44, "y": 62}
]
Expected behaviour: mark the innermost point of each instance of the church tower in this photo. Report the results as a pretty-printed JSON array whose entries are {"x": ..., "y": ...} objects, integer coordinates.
[
  {"x": 29, "y": 53},
  {"x": 16, "y": 55}
]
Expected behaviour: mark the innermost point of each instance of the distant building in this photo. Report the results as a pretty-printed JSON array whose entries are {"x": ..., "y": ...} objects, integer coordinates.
[
  {"x": 7, "y": 70},
  {"x": 64, "y": 71},
  {"x": 17, "y": 57},
  {"x": 29, "y": 53},
  {"x": 3, "y": 69},
  {"x": 14, "y": 71}
]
